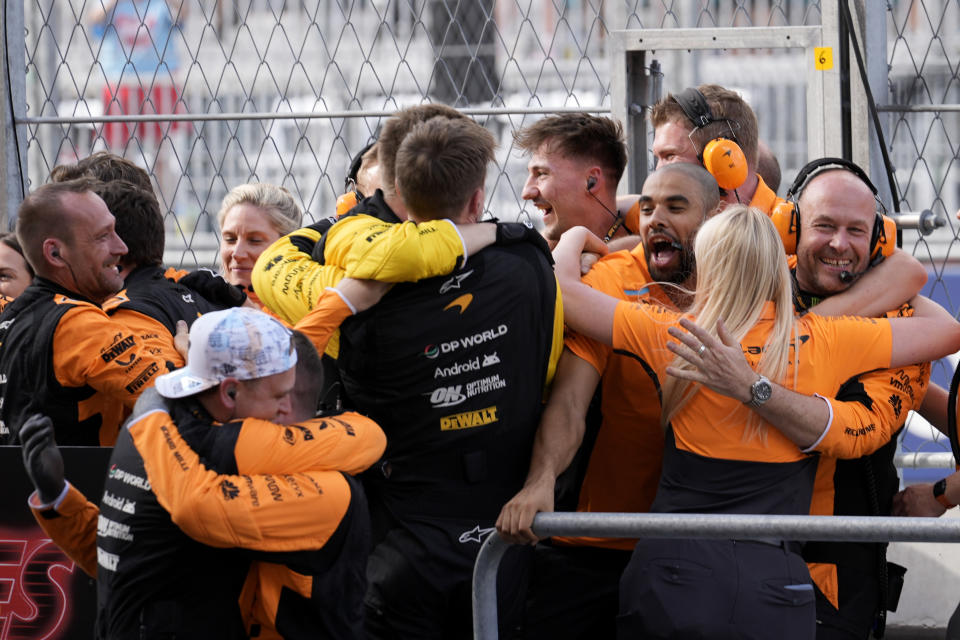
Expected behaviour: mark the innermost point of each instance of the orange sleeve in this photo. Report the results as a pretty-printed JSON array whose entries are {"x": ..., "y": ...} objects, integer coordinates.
[
  {"x": 90, "y": 348},
  {"x": 862, "y": 344},
  {"x": 604, "y": 276},
  {"x": 72, "y": 525},
  {"x": 324, "y": 319},
  {"x": 642, "y": 329},
  {"x": 267, "y": 512},
  {"x": 860, "y": 427},
  {"x": 153, "y": 335},
  {"x": 347, "y": 442},
  {"x": 595, "y": 353}
]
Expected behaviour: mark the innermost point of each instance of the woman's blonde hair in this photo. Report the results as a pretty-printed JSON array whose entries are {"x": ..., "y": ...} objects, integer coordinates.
[
  {"x": 281, "y": 209},
  {"x": 740, "y": 266}
]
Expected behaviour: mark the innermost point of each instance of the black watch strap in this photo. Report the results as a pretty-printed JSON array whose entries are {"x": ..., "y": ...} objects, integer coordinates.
[{"x": 940, "y": 493}]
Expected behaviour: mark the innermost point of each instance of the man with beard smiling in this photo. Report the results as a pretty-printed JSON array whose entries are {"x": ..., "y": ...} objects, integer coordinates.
[
  {"x": 57, "y": 346},
  {"x": 575, "y": 582}
]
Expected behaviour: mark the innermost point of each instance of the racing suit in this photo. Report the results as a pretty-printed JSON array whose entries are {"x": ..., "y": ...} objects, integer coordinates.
[{"x": 453, "y": 368}]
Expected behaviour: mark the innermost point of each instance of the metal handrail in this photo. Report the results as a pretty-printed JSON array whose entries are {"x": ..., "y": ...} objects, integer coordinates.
[
  {"x": 692, "y": 525},
  {"x": 296, "y": 115}
]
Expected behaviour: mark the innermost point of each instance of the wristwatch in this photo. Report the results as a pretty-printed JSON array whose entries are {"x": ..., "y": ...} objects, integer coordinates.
[
  {"x": 940, "y": 493},
  {"x": 760, "y": 392}
]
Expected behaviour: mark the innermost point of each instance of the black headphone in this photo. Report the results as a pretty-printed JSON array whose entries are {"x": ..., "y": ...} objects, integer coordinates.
[
  {"x": 591, "y": 183},
  {"x": 786, "y": 215},
  {"x": 722, "y": 157},
  {"x": 351, "y": 195},
  {"x": 232, "y": 393}
]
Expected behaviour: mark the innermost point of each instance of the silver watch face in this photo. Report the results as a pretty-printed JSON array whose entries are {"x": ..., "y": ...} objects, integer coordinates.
[{"x": 761, "y": 390}]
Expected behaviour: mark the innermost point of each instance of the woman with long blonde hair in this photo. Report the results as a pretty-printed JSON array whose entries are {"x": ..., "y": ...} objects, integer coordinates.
[{"x": 720, "y": 456}]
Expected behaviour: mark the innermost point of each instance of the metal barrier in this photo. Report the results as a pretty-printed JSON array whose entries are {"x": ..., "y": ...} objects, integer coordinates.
[{"x": 692, "y": 525}]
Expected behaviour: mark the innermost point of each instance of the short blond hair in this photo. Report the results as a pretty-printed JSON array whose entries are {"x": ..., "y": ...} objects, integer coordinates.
[{"x": 282, "y": 210}]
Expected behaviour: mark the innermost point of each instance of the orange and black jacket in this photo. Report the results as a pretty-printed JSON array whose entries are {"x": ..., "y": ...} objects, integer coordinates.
[
  {"x": 150, "y": 305},
  {"x": 856, "y": 475},
  {"x": 56, "y": 351},
  {"x": 148, "y": 553}
]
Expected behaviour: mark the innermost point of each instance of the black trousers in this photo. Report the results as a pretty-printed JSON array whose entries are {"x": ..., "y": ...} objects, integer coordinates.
[
  {"x": 574, "y": 592},
  {"x": 722, "y": 589},
  {"x": 420, "y": 582}
]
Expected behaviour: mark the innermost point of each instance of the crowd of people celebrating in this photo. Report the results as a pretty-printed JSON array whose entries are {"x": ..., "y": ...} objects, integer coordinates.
[{"x": 315, "y": 442}]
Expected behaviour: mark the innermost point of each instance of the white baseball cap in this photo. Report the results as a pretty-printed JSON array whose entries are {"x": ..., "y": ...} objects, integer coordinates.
[{"x": 239, "y": 343}]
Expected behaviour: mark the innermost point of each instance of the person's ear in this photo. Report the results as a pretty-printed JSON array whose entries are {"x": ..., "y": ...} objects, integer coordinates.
[
  {"x": 51, "y": 251},
  {"x": 476, "y": 204},
  {"x": 229, "y": 389}
]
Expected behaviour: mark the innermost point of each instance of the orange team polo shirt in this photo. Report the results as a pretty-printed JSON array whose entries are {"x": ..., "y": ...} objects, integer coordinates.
[
  {"x": 713, "y": 425},
  {"x": 624, "y": 467}
]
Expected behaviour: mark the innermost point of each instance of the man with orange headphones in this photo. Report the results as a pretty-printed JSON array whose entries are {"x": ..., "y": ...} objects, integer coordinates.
[
  {"x": 715, "y": 127},
  {"x": 832, "y": 224}
]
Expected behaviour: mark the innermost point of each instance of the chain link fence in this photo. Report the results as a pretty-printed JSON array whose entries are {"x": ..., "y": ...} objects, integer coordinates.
[{"x": 208, "y": 94}]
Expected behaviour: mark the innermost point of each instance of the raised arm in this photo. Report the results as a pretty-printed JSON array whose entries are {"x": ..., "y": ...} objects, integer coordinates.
[
  {"x": 287, "y": 279},
  {"x": 585, "y": 309},
  {"x": 60, "y": 509}
]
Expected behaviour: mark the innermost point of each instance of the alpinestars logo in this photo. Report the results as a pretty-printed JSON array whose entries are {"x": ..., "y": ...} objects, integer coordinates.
[
  {"x": 454, "y": 282},
  {"x": 477, "y": 534}
]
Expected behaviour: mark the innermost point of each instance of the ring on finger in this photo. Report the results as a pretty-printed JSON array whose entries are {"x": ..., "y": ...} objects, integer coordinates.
[{"x": 700, "y": 351}]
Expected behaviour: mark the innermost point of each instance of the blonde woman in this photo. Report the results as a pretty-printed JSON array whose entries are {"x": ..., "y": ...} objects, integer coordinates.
[
  {"x": 720, "y": 455},
  {"x": 251, "y": 217}
]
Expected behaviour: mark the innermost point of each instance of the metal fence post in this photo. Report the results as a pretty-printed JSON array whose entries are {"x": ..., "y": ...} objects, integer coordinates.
[
  {"x": 875, "y": 57},
  {"x": 13, "y": 179},
  {"x": 696, "y": 525},
  {"x": 485, "y": 587}
]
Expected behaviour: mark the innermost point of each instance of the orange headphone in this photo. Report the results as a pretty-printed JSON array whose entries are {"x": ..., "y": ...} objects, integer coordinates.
[
  {"x": 722, "y": 157},
  {"x": 786, "y": 215}
]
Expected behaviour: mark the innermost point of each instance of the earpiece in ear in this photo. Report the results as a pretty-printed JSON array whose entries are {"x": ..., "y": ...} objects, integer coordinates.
[
  {"x": 55, "y": 253},
  {"x": 232, "y": 393},
  {"x": 591, "y": 183}
]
